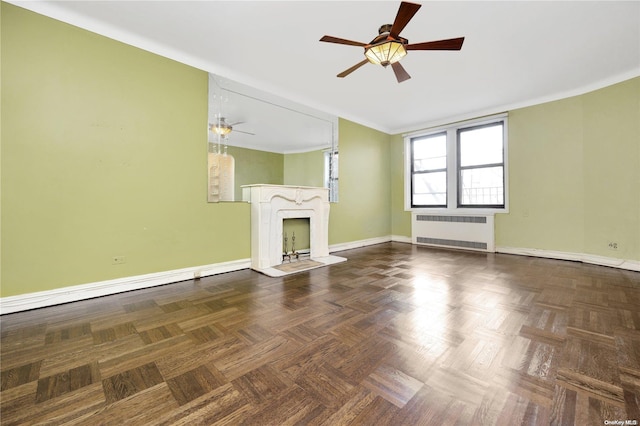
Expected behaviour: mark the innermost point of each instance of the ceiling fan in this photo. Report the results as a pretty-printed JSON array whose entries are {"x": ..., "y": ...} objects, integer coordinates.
[
  {"x": 223, "y": 128},
  {"x": 388, "y": 47}
]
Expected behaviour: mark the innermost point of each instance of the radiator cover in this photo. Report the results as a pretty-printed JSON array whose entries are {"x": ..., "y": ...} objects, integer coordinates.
[{"x": 463, "y": 231}]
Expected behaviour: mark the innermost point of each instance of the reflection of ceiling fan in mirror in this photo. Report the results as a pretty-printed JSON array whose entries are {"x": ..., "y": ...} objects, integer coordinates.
[{"x": 221, "y": 127}]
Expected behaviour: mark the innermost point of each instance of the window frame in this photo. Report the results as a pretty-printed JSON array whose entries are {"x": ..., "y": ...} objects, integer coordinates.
[
  {"x": 453, "y": 167},
  {"x": 460, "y": 168},
  {"x": 413, "y": 172},
  {"x": 331, "y": 174}
]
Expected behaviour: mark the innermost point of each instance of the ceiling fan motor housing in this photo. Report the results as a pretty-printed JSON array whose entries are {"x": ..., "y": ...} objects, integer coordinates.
[{"x": 386, "y": 28}]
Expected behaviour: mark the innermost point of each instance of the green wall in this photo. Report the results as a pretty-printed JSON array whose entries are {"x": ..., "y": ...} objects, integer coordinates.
[
  {"x": 545, "y": 179},
  {"x": 574, "y": 174},
  {"x": 304, "y": 169},
  {"x": 253, "y": 166},
  {"x": 364, "y": 186},
  {"x": 400, "y": 219},
  {"x": 103, "y": 154},
  {"x": 612, "y": 170}
]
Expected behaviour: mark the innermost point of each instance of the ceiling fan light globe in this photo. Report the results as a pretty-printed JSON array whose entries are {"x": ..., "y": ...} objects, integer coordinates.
[
  {"x": 220, "y": 129},
  {"x": 386, "y": 53}
]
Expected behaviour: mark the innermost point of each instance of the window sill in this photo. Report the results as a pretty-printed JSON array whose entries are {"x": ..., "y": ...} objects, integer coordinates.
[{"x": 460, "y": 211}]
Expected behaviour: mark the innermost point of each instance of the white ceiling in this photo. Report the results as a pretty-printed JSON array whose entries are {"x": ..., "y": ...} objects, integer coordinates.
[{"x": 516, "y": 53}]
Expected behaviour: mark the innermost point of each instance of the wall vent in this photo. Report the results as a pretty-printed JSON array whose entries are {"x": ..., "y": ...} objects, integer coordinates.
[
  {"x": 472, "y": 232},
  {"x": 462, "y": 219},
  {"x": 452, "y": 243}
]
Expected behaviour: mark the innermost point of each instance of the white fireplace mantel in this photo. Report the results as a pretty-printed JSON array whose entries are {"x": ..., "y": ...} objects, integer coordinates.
[{"x": 270, "y": 205}]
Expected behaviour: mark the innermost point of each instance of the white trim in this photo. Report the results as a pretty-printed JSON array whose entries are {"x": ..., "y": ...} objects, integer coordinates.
[
  {"x": 75, "y": 293},
  {"x": 556, "y": 96},
  {"x": 55, "y": 11},
  {"x": 360, "y": 243},
  {"x": 305, "y": 150},
  {"x": 478, "y": 121},
  {"x": 41, "y": 299},
  {"x": 628, "y": 264},
  {"x": 401, "y": 239},
  {"x": 24, "y": 302},
  {"x": 456, "y": 212},
  {"x": 462, "y": 211}
]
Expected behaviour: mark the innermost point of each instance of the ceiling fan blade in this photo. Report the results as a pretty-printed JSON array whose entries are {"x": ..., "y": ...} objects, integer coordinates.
[
  {"x": 401, "y": 73},
  {"x": 246, "y": 133},
  {"x": 236, "y": 123},
  {"x": 352, "y": 69},
  {"x": 330, "y": 39},
  {"x": 449, "y": 44},
  {"x": 404, "y": 15}
]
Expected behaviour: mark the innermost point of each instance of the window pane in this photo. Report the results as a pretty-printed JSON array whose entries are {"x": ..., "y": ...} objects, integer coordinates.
[
  {"x": 483, "y": 186},
  {"x": 482, "y": 145},
  {"x": 430, "y": 153},
  {"x": 430, "y": 189},
  {"x": 331, "y": 174}
]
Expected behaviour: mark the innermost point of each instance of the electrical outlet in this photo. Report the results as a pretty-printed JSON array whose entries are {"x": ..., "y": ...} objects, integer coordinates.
[
  {"x": 197, "y": 275},
  {"x": 613, "y": 245},
  {"x": 118, "y": 260}
]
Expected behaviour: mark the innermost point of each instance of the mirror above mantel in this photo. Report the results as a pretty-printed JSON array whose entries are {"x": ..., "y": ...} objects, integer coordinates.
[{"x": 272, "y": 141}]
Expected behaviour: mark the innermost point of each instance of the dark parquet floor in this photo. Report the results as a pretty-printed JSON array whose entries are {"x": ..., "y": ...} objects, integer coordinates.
[{"x": 397, "y": 335}]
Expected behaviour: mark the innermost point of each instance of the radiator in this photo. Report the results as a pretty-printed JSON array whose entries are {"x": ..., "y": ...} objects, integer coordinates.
[{"x": 472, "y": 232}]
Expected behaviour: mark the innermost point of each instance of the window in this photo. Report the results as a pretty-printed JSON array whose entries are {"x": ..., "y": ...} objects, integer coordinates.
[
  {"x": 481, "y": 166},
  {"x": 429, "y": 170},
  {"x": 331, "y": 174},
  {"x": 461, "y": 166}
]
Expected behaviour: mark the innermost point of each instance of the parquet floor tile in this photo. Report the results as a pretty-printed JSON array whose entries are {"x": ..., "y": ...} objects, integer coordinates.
[
  {"x": 397, "y": 335},
  {"x": 197, "y": 382},
  {"x": 130, "y": 382}
]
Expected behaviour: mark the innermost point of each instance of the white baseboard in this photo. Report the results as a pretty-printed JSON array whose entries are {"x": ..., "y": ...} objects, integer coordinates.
[
  {"x": 57, "y": 296},
  {"x": 360, "y": 243},
  {"x": 631, "y": 265},
  {"x": 24, "y": 302},
  {"x": 401, "y": 239},
  {"x": 369, "y": 242}
]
